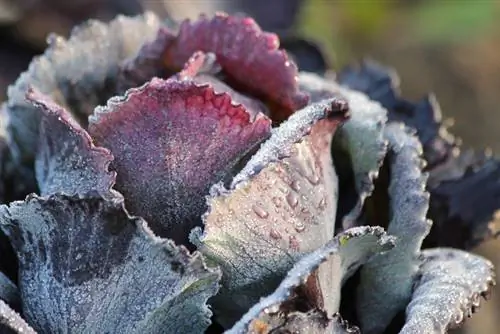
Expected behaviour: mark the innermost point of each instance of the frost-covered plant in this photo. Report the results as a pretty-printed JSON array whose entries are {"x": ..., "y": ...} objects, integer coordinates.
[{"x": 189, "y": 178}]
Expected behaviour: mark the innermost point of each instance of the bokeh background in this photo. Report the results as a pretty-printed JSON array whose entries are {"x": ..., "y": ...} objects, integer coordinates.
[{"x": 449, "y": 47}]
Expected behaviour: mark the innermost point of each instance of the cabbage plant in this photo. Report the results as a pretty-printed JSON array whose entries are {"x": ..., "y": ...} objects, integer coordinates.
[{"x": 189, "y": 178}]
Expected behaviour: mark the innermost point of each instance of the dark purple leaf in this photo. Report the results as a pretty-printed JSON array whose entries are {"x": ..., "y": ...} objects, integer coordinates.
[{"x": 171, "y": 141}]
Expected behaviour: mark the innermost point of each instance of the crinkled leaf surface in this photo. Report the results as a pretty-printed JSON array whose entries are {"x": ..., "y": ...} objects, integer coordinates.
[
  {"x": 459, "y": 221},
  {"x": 11, "y": 322},
  {"x": 8, "y": 290},
  {"x": 381, "y": 84},
  {"x": 86, "y": 266},
  {"x": 203, "y": 67},
  {"x": 342, "y": 256},
  {"x": 465, "y": 208},
  {"x": 361, "y": 138},
  {"x": 250, "y": 58},
  {"x": 77, "y": 73},
  {"x": 280, "y": 206},
  {"x": 387, "y": 279},
  {"x": 450, "y": 287},
  {"x": 171, "y": 141},
  {"x": 67, "y": 161}
]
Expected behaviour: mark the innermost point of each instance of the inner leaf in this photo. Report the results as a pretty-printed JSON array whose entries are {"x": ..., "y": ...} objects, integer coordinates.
[{"x": 171, "y": 141}]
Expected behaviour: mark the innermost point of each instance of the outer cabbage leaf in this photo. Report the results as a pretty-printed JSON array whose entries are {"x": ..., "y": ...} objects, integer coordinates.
[
  {"x": 387, "y": 280},
  {"x": 87, "y": 266},
  {"x": 11, "y": 322},
  {"x": 67, "y": 161},
  {"x": 171, "y": 141},
  {"x": 449, "y": 289},
  {"x": 77, "y": 73},
  {"x": 360, "y": 139},
  {"x": 280, "y": 206},
  {"x": 342, "y": 256}
]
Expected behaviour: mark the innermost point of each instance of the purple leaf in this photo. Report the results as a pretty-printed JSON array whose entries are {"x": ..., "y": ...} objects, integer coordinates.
[
  {"x": 87, "y": 266},
  {"x": 279, "y": 207},
  {"x": 171, "y": 141},
  {"x": 250, "y": 58},
  {"x": 67, "y": 161}
]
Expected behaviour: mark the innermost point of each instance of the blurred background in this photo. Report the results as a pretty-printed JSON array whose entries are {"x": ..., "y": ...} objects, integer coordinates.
[{"x": 449, "y": 47}]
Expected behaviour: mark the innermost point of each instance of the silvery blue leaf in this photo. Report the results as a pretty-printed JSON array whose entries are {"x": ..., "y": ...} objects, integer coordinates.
[
  {"x": 87, "y": 266},
  {"x": 387, "y": 280},
  {"x": 280, "y": 206},
  {"x": 360, "y": 139},
  {"x": 340, "y": 258},
  {"x": 449, "y": 289}
]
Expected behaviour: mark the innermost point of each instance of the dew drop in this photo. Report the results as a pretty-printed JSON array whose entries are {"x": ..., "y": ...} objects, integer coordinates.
[
  {"x": 313, "y": 178},
  {"x": 292, "y": 200},
  {"x": 294, "y": 242},
  {"x": 277, "y": 201},
  {"x": 299, "y": 226},
  {"x": 322, "y": 204},
  {"x": 275, "y": 234},
  {"x": 295, "y": 185},
  {"x": 260, "y": 211}
]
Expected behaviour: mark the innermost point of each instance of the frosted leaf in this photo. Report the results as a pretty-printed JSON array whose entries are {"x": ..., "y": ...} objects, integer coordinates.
[
  {"x": 341, "y": 256},
  {"x": 87, "y": 266},
  {"x": 449, "y": 289},
  {"x": 387, "y": 279},
  {"x": 171, "y": 141},
  {"x": 361, "y": 138},
  {"x": 77, "y": 73}
]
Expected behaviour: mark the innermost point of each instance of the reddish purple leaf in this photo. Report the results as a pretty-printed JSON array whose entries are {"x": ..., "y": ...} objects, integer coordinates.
[
  {"x": 171, "y": 141},
  {"x": 202, "y": 67},
  {"x": 250, "y": 58}
]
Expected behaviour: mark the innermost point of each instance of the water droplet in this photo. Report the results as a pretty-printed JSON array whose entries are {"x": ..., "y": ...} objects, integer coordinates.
[
  {"x": 260, "y": 211},
  {"x": 275, "y": 234},
  {"x": 294, "y": 242},
  {"x": 322, "y": 204},
  {"x": 295, "y": 185},
  {"x": 292, "y": 199},
  {"x": 299, "y": 226},
  {"x": 313, "y": 178},
  {"x": 277, "y": 201}
]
